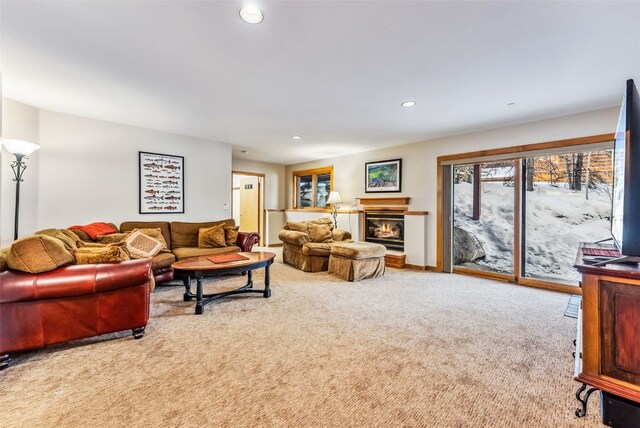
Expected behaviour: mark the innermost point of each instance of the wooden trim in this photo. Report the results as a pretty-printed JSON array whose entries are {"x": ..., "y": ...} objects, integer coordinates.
[
  {"x": 549, "y": 285},
  {"x": 275, "y": 210},
  {"x": 439, "y": 223},
  {"x": 416, "y": 212},
  {"x": 256, "y": 174},
  {"x": 616, "y": 387},
  {"x": 517, "y": 217},
  {"x": 309, "y": 210},
  {"x": 484, "y": 274},
  {"x": 262, "y": 188},
  {"x": 313, "y": 173},
  {"x": 432, "y": 269},
  {"x": 416, "y": 267},
  {"x": 278, "y": 244},
  {"x": 516, "y": 150},
  {"x": 385, "y": 201},
  {"x": 394, "y": 209}
]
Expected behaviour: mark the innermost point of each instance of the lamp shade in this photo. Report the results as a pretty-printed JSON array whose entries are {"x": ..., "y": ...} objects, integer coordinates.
[
  {"x": 20, "y": 147},
  {"x": 334, "y": 198}
]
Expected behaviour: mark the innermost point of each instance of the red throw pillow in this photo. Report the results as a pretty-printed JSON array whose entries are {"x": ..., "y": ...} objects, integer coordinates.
[{"x": 95, "y": 229}]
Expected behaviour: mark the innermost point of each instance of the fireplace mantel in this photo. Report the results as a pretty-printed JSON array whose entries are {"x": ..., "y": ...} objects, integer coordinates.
[{"x": 385, "y": 201}]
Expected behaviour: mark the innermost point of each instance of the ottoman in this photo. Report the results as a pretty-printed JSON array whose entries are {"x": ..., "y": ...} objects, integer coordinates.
[{"x": 354, "y": 261}]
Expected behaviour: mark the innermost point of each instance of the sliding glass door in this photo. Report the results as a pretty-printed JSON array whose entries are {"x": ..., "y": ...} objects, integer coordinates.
[
  {"x": 567, "y": 199},
  {"x": 483, "y": 216}
]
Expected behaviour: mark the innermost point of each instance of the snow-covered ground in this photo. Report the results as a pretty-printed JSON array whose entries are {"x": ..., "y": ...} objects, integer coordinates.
[{"x": 557, "y": 220}]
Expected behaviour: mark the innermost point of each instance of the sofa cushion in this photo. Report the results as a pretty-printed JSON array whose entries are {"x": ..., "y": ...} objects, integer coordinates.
[
  {"x": 231, "y": 235},
  {"x": 211, "y": 237},
  {"x": 113, "y": 238},
  {"x": 68, "y": 238},
  {"x": 141, "y": 246},
  {"x": 319, "y": 232},
  {"x": 129, "y": 226},
  {"x": 162, "y": 260},
  {"x": 186, "y": 252},
  {"x": 112, "y": 253},
  {"x": 327, "y": 221},
  {"x": 185, "y": 234},
  {"x": 95, "y": 229},
  {"x": 358, "y": 250},
  {"x": 38, "y": 253},
  {"x": 316, "y": 249}
]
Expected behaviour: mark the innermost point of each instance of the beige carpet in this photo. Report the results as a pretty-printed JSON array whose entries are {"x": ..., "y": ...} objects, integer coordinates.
[{"x": 410, "y": 349}]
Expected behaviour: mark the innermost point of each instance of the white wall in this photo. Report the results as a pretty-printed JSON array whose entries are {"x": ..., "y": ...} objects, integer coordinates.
[
  {"x": 87, "y": 170},
  {"x": 20, "y": 121},
  {"x": 274, "y": 184},
  {"x": 419, "y": 160}
]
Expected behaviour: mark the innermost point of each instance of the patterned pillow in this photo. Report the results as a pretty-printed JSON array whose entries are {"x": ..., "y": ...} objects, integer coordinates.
[
  {"x": 231, "y": 235},
  {"x": 211, "y": 237},
  {"x": 156, "y": 234},
  {"x": 141, "y": 246}
]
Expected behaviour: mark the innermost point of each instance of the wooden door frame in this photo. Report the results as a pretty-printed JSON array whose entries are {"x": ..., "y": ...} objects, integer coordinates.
[
  {"x": 515, "y": 153},
  {"x": 262, "y": 212}
]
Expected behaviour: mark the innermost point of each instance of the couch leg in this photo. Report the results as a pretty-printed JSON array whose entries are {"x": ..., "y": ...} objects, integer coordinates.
[
  {"x": 138, "y": 333},
  {"x": 5, "y": 360}
]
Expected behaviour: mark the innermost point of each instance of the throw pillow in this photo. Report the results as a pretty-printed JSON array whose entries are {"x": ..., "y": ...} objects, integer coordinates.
[
  {"x": 156, "y": 234},
  {"x": 141, "y": 246},
  {"x": 111, "y": 238},
  {"x": 211, "y": 237},
  {"x": 3, "y": 259},
  {"x": 38, "y": 253},
  {"x": 319, "y": 232},
  {"x": 112, "y": 253},
  {"x": 298, "y": 226},
  {"x": 231, "y": 235}
]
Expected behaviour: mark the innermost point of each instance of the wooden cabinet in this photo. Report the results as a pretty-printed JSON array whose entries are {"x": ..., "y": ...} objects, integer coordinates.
[{"x": 610, "y": 330}]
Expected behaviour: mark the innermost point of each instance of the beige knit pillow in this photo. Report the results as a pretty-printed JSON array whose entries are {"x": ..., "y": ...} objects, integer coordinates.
[
  {"x": 141, "y": 245},
  {"x": 112, "y": 253},
  {"x": 38, "y": 253},
  {"x": 156, "y": 234}
]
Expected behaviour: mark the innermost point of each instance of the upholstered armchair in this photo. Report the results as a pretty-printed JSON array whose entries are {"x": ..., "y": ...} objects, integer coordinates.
[{"x": 307, "y": 244}]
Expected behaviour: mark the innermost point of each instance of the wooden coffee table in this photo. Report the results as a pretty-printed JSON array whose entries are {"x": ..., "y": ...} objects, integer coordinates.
[{"x": 201, "y": 267}]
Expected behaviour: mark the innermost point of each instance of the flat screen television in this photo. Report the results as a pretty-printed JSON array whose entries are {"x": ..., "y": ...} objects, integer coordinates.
[{"x": 625, "y": 212}]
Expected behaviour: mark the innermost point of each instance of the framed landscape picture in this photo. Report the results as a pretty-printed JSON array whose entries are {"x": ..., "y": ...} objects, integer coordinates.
[
  {"x": 383, "y": 176},
  {"x": 161, "y": 183}
]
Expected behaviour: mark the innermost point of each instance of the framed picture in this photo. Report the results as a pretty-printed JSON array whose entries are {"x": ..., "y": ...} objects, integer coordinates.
[
  {"x": 383, "y": 176},
  {"x": 161, "y": 183}
]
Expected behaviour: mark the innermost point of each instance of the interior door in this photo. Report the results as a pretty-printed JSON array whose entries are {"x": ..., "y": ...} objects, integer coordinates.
[{"x": 249, "y": 204}]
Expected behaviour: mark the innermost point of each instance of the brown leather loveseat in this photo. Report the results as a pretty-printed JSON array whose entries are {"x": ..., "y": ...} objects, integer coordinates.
[{"x": 72, "y": 302}]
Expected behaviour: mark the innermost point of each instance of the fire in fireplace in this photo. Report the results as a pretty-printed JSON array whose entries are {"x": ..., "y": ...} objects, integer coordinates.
[{"x": 386, "y": 228}]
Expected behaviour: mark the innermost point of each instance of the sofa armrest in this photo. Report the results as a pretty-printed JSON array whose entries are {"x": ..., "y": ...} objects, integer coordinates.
[
  {"x": 340, "y": 235},
  {"x": 246, "y": 240},
  {"x": 294, "y": 237}
]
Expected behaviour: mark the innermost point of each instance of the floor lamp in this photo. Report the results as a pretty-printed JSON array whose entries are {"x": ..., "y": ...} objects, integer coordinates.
[
  {"x": 334, "y": 198},
  {"x": 19, "y": 149}
]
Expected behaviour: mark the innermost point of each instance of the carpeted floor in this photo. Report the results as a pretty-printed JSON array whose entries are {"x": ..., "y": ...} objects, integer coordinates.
[{"x": 410, "y": 349}]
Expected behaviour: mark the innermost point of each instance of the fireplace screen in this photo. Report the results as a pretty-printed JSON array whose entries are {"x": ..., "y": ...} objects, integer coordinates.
[{"x": 386, "y": 228}]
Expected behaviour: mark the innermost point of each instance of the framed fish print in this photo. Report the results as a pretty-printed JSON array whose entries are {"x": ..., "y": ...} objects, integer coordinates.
[{"x": 161, "y": 183}]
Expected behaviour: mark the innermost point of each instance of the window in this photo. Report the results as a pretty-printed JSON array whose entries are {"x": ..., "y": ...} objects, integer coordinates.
[{"x": 312, "y": 187}]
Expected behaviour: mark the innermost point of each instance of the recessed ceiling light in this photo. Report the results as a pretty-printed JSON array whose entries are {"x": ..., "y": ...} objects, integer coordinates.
[
  {"x": 251, "y": 15},
  {"x": 408, "y": 104},
  {"x": 297, "y": 137},
  {"x": 511, "y": 103},
  {"x": 245, "y": 151}
]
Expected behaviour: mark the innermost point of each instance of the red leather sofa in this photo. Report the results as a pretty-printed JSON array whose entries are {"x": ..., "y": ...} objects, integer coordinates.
[{"x": 70, "y": 303}]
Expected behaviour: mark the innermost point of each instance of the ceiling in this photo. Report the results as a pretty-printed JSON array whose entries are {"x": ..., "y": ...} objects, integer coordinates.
[{"x": 334, "y": 72}]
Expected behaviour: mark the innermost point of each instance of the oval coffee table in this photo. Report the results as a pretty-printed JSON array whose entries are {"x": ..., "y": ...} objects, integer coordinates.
[{"x": 201, "y": 267}]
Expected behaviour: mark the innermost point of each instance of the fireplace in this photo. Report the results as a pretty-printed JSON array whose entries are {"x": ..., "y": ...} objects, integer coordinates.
[{"x": 385, "y": 227}]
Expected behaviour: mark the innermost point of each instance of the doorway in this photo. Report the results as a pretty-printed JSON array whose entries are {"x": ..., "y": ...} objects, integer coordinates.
[{"x": 247, "y": 202}]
